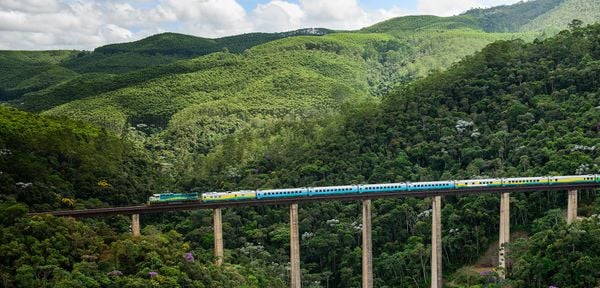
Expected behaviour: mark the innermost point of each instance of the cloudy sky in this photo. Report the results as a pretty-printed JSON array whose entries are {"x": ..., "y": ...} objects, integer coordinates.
[{"x": 86, "y": 24}]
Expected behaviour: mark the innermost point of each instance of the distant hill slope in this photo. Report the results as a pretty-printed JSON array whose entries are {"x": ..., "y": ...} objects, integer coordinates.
[
  {"x": 187, "y": 45},
  {"x": 415, "y": 23},
  {"x": 169, "y": 47},
  {"x": 558, "y": 18},
  {"x": 510, "y": 18},
  {"x": 201, "y": 101},
  {"x": 27, "y": 71}
]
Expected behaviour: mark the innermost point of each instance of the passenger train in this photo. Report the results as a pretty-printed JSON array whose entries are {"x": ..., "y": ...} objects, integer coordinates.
[{"x": 171, "y": 198}]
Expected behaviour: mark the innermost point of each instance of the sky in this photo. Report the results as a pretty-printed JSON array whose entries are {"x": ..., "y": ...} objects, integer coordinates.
[{"x": 87, "y": 24}]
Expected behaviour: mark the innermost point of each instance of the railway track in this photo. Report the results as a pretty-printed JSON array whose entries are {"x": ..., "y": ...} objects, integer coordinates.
[{"x": 144, "y": 209}]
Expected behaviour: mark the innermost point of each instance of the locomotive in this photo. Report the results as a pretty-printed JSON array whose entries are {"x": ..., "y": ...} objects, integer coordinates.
[{"x": 173, "y": 198}]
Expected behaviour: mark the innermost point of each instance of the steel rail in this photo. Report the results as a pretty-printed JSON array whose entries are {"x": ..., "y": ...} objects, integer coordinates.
[{"x": 143, "y": 209}]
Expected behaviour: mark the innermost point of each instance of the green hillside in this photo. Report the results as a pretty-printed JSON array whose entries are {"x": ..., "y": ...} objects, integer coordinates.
[
  {"x": 169, "y": 47},
  {"x": 587, "y": 11},
  {"x": 42, "y": 69},
  {"x": 26, "y": 71},
  {"x": 415, "y": 23},
  {"x": 186, "y": 45},
  {"x": 511, "y": 18},
  {"x": 297, "y": 76},
  {"x": 48, "y": 164}
]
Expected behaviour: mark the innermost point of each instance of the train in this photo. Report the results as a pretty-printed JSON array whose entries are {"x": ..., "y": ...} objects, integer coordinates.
[{"x": 175, "y": 198}]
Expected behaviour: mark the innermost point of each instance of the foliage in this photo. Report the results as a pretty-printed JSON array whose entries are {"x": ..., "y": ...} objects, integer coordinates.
[
  {"x": 26, "y": 71},
  {"x": 558, "y": 18},
  {"x": 43, "y": 160},
  {"x": 45, "y": 251},
  {"x": 557, "y": 254},
  {"x": 166, "y": 48},
  {"x": 512, "y": 18}
]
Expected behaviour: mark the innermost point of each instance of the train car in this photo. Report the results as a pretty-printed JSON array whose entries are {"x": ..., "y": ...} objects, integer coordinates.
[
  {"x": 597, "y": 178},
  {"x": 281, "y": 193},
  {"x": 524, "y": 181},
  {"x": 556, "y": 180},
  {"x": 229, "y": 196},
  {"x": 431, "y": 185},
  {"x": 375, "y": 188},
  {"x": 165, "y": 198},
  {"x": 474, "y": 183},
  {"x": 332, "y": 190}
]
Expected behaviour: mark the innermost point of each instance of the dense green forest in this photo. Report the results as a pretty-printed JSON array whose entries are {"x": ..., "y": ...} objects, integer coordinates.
[{"x": 408, "y": 99}]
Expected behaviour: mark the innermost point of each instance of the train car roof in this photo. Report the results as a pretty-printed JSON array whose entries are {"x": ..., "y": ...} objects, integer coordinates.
[
  {"x": 334, "y": 187},
  {"x": 524, "y": 178},
  {"x": 283, "y": 190},
  {"x": 486, "y": 179},
  {"x": 432, "y": 182},
  {"x": 385, "y": 184}
]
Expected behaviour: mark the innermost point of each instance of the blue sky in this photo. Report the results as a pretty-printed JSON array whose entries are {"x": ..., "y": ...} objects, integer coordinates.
[{"x": 86, "y": 24}]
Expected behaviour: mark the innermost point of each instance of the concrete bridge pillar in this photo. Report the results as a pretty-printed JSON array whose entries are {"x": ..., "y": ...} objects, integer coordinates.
[
  {"x": 504, "y": 232},
  {"x": 572, "y": 207},
  {"x": 218, "y": 235},
  {"x": 367, "y": 252},
  {"x": 436, "y": 242},
  {"x": 294, "y": 248},
  {"x": 135, "y": 225}
]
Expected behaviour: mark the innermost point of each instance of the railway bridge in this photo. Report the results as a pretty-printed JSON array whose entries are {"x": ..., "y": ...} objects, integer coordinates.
[{"x": 367, "y": 259}]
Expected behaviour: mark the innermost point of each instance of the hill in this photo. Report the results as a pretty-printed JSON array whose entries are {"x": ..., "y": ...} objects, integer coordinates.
[
  {"x": 42, "y": 69},
  {"x": 186, "y": 45},
  {"x": 587, "y": 11},
  {"x": 511, "y": 18},
  {"x": 416, "y": 23},
  {"x": 27, "y": 71},
  {"x": 169, "y": 47},
  {"x": 298, "y": 76}
]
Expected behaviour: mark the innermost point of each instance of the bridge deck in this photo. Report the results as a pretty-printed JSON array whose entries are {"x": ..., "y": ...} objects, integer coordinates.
[{"x": 143, "y": 209}]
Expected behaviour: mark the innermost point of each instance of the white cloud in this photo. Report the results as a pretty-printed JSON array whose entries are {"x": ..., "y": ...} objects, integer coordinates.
[
  {"x": 208, "y": 17},
  {"x": 332, "y": 11},
  {"x": 35, "y": 6},
  {"x": 445, "y": 8},
  {"x": 114, "y": 33},
  {"x": 277, "y": 16}
]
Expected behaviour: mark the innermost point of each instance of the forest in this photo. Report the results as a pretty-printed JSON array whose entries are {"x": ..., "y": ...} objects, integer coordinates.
[{"x": 408, "y": 99}]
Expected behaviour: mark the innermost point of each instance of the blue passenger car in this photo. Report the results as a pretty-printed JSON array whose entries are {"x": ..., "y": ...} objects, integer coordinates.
[
  {"x": 376, "y": 188},
  {"x": 281, "y": 193},
  {"x": 332, "y": 190},
  {"x": 431, "y": 185}
]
